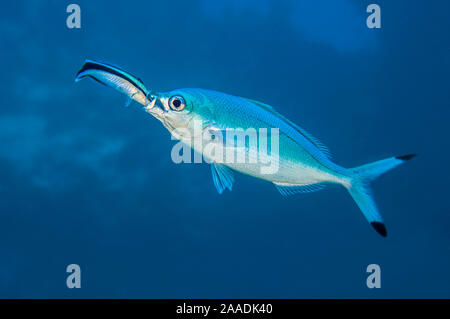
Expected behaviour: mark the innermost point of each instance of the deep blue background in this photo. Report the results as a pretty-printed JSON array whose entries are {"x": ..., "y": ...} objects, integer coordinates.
[{"x": 84, "y": 180}]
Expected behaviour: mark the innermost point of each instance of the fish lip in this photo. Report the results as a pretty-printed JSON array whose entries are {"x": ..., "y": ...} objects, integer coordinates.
[
  {"x": 152, "y": 102},
  {"x": 156, "y": 111},
  {"x": 155, "y": 106}
]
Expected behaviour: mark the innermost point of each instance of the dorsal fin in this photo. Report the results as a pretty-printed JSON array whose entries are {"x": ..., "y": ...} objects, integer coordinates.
[
  {"x": 322, "y": 147},
  {"x": 263, "y": 105}
]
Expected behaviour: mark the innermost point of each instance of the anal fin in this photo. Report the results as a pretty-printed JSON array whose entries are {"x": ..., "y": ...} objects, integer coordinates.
[{"x": 290, "y": 189}]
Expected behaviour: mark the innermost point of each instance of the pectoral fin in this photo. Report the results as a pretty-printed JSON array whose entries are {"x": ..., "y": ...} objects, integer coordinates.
[
  {"x": 222, "y": 177},
  {"x": 128, "y": 101}
]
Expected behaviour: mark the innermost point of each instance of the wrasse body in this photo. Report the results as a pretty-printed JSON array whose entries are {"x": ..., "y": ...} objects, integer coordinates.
[
  {"x": 116, "y": 78},
  {"x": 303, "y": 163}
]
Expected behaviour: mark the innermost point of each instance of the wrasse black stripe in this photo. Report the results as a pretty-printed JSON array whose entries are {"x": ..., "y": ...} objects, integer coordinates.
[
  {"x": 95, "y": 79},
  {"x": 109, "y": 69},
  {"x": 114, "y": 67}
]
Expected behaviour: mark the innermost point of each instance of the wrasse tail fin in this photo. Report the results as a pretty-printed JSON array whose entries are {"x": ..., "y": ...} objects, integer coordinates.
[{"x": 360, "y": 189}]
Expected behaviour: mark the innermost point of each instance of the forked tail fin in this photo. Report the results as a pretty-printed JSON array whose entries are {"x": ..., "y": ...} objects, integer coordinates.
[{"x": 360, "y": 188}]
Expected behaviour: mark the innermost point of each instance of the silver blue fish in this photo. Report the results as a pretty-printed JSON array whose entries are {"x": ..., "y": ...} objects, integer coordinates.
[{"x": 302, "y": 163}]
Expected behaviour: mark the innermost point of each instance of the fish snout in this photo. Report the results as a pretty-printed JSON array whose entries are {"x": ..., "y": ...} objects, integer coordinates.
[{"x": 155, "y": 106}]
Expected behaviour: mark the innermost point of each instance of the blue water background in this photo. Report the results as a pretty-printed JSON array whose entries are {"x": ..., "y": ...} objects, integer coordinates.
[{"x": 84, "y": 180}]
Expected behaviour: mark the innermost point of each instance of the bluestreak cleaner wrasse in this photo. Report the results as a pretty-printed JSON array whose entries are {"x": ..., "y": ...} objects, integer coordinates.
[
  {"x": 116, "y": 78},
  {"x": 302, "y": 163}
]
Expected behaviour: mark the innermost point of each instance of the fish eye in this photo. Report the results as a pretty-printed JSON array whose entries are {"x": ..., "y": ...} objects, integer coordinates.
[{"x": 177, "y": 103}]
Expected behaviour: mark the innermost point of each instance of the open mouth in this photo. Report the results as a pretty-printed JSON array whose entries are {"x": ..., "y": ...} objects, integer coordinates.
[{"x": 155, "y": 106}]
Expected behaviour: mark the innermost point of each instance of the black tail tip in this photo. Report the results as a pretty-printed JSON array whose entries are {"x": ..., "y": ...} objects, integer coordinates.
[
  {"x": 380, "y": 228},
  {"x": 406, "y": 157}
]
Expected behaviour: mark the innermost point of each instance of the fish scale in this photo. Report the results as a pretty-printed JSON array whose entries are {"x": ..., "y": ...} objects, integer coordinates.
[{"x": 296, "y": 159}]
